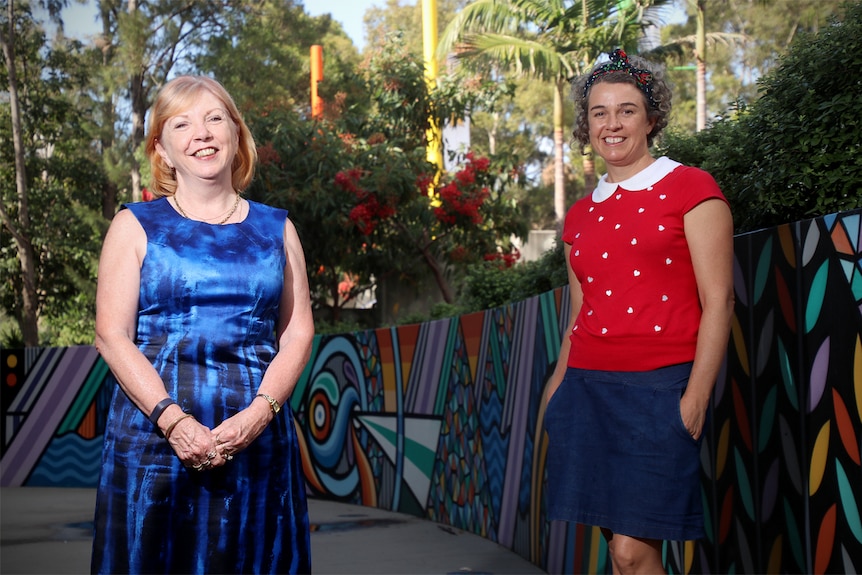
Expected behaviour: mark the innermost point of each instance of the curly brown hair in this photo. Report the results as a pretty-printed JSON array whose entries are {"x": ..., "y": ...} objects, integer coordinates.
[{"x": 661, "y": 95}]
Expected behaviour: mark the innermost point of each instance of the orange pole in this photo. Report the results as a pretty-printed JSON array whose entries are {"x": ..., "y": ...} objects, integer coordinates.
[{"x": 316, "y": 77}]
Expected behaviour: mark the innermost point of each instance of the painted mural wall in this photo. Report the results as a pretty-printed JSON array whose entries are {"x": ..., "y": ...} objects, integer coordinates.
[{"x": 443, "y": 419}]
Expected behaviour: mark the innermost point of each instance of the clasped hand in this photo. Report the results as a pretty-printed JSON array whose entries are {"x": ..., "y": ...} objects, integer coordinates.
[{"x": 201, "y": 448}]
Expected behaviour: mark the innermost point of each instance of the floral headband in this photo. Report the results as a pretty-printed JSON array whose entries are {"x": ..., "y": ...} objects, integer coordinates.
[{"x": 620, "y": 63}]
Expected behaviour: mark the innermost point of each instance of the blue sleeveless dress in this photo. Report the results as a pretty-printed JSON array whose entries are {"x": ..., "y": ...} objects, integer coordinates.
[{"x": 206, "y": 320}]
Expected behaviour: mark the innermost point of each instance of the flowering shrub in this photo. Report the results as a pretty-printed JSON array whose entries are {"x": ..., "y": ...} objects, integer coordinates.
[
  {"x": 369, "y": 212},
  {"x": 462, "y": 198},
  {"x": 506, "y": 260}
]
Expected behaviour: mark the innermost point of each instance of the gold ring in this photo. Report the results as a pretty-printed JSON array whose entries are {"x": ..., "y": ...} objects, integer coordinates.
[
  {"x": 227, "y": 456},
  {"x": 211, "y": 454},
  {"x": 198, "y": 466}
]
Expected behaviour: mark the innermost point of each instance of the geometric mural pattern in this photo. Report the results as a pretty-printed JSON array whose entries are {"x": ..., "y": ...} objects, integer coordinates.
[{"x": 443, "y": 420}]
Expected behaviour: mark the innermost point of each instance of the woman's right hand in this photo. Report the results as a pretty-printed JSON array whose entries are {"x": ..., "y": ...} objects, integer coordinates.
[{"x": 195, "y": 445}]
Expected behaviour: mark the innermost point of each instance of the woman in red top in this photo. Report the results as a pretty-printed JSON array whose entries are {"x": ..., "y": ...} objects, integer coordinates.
[{"x": 649, "y": 256}]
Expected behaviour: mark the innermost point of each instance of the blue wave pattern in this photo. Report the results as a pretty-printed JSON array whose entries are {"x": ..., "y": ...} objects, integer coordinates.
[{"x": 69, "y": 461}]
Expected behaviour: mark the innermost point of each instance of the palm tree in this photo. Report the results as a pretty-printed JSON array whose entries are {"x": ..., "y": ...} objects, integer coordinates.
[
  {"x": 552, "y": 40},
  {"x": 697, "y": 44}
]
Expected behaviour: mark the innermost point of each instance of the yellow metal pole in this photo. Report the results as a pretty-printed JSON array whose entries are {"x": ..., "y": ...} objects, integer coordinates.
[{"x": 429, "y": 45}]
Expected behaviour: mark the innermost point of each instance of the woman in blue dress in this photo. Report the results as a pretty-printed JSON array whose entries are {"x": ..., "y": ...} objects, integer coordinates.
[{"x": 204, "y": 318}]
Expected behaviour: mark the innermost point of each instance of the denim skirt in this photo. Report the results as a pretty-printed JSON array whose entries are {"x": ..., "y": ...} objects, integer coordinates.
[{"x": 619, "y": 456}]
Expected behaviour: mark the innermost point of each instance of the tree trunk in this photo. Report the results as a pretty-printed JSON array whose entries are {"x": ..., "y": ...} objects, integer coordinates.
[
  {"x": 28, "y": 320},
  {"x": 437, "y": 272},
  {"x": 109, "y": 190},
  {"x": 589, "y": 172},
  {"x": 559, "y": 173},
  {"x": 700, "y": 58},
  {"x": 492, "y": 134},
  {"x": 139, "y": 111}
]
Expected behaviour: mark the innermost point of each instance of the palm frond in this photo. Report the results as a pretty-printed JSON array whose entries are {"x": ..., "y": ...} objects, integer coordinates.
[
  {"x": 525, "y": 56},
  {"x": 677, "y": 47},
  {"x": 477, "y": 17}
]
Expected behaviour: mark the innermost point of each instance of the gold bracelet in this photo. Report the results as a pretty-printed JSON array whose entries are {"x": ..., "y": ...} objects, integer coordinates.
[
  {"x": 273, "y": 404},
  {"x": 171, "y": 427}
]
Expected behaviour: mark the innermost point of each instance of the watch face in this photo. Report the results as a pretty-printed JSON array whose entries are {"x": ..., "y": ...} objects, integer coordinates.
[{"x": 273, "y": 404}]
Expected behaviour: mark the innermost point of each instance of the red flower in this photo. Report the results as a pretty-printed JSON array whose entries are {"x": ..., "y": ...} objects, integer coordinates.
[
  {"x": 482, "y": 164},
  {"x": 465, "y": 177}
]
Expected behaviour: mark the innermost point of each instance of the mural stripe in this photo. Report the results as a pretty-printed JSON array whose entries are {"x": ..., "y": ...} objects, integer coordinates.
[
  {"x": 516, "y": 409},
  {"x": 39, "y": 427}
]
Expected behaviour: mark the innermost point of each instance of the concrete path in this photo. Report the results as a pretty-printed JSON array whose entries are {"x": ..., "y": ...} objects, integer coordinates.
[{"x": 49, "y": 531}]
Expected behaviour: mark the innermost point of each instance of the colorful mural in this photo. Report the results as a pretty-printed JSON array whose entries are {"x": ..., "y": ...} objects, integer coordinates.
[{"x": 443, "y": 420}]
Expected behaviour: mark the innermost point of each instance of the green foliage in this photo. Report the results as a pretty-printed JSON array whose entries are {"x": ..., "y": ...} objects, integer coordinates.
[
  {"x": 63, "y": 179},
  {"x": 794, "y": 153},
  {"x": 491, "y": 285},
  {"x": 358, "y": 188},
  {"x": 262, "y": 37}
]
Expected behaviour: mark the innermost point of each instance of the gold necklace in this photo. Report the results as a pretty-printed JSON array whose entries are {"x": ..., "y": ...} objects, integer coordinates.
[{"x": 226, "y": 218}]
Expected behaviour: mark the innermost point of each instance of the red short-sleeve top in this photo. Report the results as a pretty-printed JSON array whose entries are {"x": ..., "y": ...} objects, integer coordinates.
[{"x": 640, "y": 309}]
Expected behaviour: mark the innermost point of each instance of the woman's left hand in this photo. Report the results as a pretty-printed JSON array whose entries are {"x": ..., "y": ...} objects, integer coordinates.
[
  {"x": 693, "y": 414},
  {"x": 237, "y": 432}
]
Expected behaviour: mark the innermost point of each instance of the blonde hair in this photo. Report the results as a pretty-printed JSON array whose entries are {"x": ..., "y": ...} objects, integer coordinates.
[{"x": 174, "y": 98}]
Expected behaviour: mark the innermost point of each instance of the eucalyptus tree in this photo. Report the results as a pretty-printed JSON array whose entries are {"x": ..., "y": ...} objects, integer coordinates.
[
  {"x": 697, "y": 44},
  {"x": 26, "y": 255},
  {"x": 144, "y": 43},
  {"x": 552, "y": 40},
  {"x": 49, "y": 183},
  {"x": 733, "y": 44},
  {"x": 262, "y": 57},
  {"x": 380, "y": 21}
]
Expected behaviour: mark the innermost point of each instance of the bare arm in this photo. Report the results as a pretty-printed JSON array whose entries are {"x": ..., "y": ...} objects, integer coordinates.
[
  {"x": 709, "y": 232},
  {"x": 117, "y": 294},
  {"x": 576, "y": 297}
]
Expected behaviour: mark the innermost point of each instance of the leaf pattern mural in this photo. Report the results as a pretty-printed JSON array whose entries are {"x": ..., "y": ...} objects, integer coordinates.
[
  {"x": 819, "y": 459},
  {"x": 788, "y": 245},
  {"x": 785, "y": 300},
  {"x": 825, "y": 541},
  {"x": 794, "y": 537},
  {"x": 848, "y": 436},
  {"x": 817, "y": 381},
  {"x": 761, "y": 274},
  {"x": 848, "y": 502},
  {"x": 765, "y": 342},
  {"x": 812, "y": 241},
  {"x": 770, "y": 491},
  {"x": 787, "y": 375},
  {"x": 791, "y": 457},
  {"x": 857, "y": 377},
  {"x": 767, "y": 419},
  {"x": 744, "y": 486},
  {"x": 816, "y": 293}
]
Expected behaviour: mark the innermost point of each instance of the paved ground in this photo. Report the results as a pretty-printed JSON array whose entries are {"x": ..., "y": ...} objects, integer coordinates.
[{"x": 48, "y": 531}]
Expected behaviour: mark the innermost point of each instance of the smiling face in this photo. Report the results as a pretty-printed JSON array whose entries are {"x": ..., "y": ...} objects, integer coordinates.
[
  {"x": 200, "y": 141},
  {"x": 619, "y": 126}
]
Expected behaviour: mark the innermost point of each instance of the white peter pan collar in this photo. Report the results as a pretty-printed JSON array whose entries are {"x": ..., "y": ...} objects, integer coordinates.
[{"x": 647, "y": 177}]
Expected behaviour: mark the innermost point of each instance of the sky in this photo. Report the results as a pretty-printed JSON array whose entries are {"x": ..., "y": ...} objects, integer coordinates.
[
  {"x": 349, "y": 13},
  {"x": 80, "y": 20}
]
